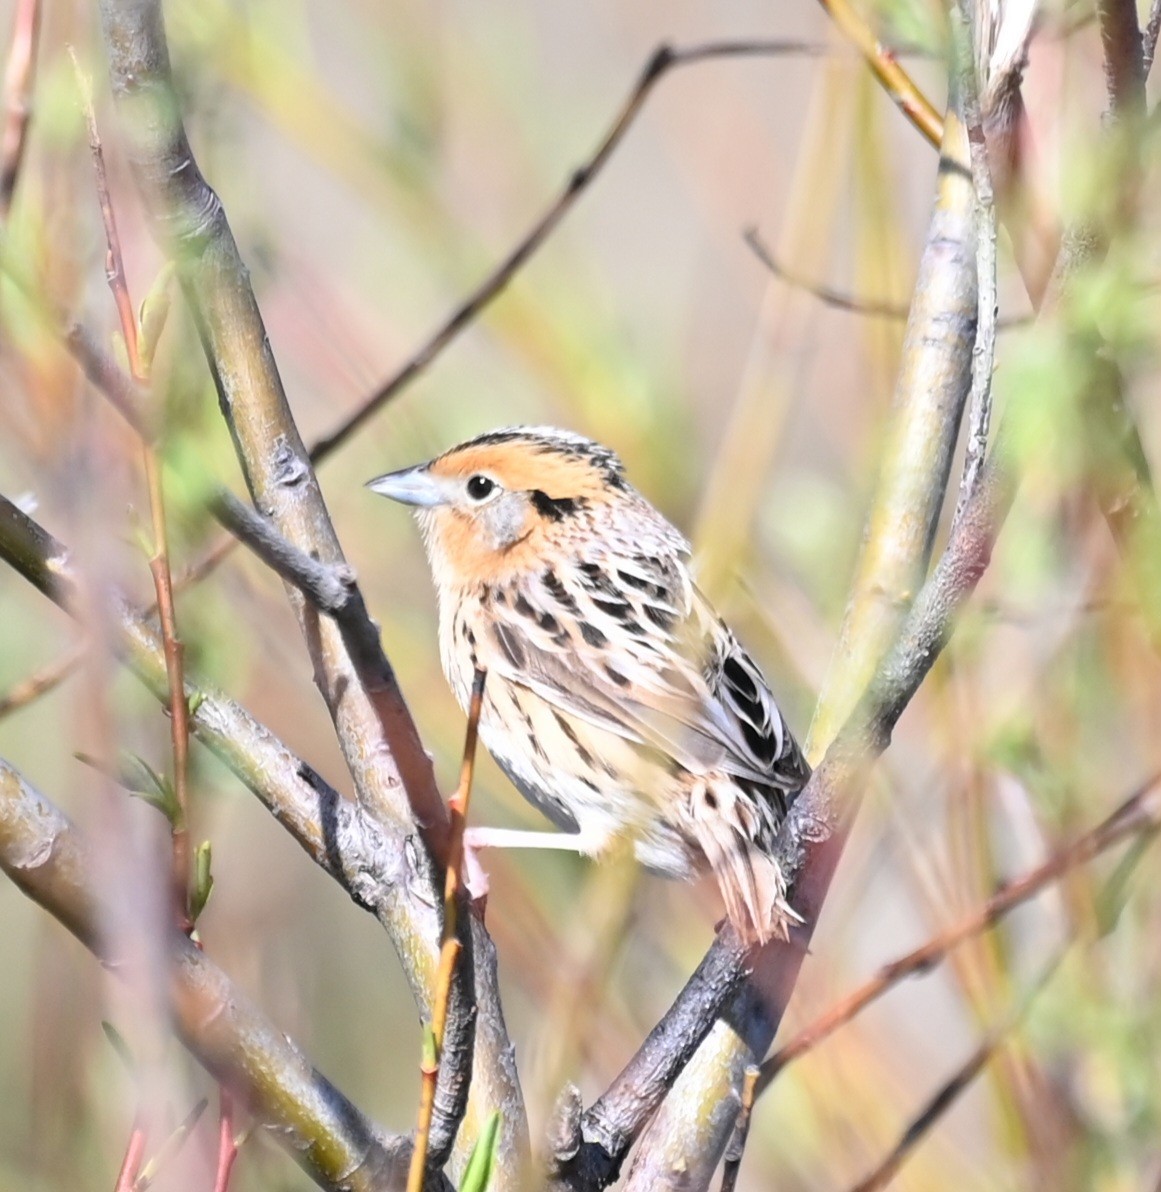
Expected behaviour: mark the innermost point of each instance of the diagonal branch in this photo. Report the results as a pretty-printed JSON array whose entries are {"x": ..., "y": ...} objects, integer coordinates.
[
  {"x": 324, "y": 1133},
  {"x": 662, "y": 61},
  {"x": 1136, "y": 816},
  {"x": 948, "y": 1092},
  {"x": 695, "y": 1120},
  {"x": 1124, "y": 57},
  {"x": 392, "y": 772},
  {"x": 894, "y": 79}
]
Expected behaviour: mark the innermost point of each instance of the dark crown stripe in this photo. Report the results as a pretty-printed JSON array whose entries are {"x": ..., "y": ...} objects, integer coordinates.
[{"x": 559, "y": 443}]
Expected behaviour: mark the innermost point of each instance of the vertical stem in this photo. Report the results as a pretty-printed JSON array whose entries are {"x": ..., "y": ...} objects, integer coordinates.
[
  {"x": 450, "y": 944},
  {"x": 178, "y": 707}
]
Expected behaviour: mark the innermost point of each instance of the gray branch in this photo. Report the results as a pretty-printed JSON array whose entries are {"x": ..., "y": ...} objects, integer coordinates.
[
  {"x": 392, "y": 771},
  {"x": 340, "y": 1149}
]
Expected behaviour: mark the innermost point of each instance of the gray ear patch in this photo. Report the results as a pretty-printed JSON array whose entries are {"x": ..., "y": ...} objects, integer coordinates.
[{"x": 506, "y": 519}]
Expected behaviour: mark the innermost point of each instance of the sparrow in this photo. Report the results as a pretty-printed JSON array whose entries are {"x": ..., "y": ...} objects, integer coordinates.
[{"x": 617, "y": 700}]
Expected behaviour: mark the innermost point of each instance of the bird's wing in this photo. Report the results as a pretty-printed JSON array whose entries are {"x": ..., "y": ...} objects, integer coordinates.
[{"x": 630, "y": 645}]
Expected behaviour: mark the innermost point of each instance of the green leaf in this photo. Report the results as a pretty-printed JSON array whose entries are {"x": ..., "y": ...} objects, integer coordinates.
[
  {"x": 153, "y": 315},
  {"x": 482, "y": 1163},
  {"x": 203, "y": 879},
  {"x": 429, "y": 1055},
  {"x": 117, "y": 1042},
  {"x": 141, "y": 780}
]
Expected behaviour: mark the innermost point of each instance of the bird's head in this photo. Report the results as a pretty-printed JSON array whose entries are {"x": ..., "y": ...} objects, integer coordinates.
[{"x": 495, "y": 505}]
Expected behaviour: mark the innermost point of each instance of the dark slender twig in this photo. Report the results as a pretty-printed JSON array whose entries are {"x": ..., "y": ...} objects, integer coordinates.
[
  {"x": 832, "y": 298},
  {"x": 661, "y": 62},
  {"x": 874, "y": 308},
  {"x": 984, "y": 348},
  {"x": 19, "y": 83},
  {"x": 949, "y": 1092},
  {"x": 1137, "y": 816}
]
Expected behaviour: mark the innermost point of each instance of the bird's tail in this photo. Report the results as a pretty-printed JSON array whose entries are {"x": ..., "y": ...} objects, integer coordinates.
[{"x": 753, "y": 886}]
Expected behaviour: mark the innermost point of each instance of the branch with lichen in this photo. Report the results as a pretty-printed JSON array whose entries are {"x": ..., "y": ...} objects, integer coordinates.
[{"x": 43, "y": 853}]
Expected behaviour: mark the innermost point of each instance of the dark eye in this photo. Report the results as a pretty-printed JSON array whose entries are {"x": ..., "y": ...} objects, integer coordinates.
[{"x": 480, "y": 487}]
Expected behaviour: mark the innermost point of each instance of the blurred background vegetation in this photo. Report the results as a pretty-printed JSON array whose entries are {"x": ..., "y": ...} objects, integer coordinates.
[{"x": 375, "y": 161}]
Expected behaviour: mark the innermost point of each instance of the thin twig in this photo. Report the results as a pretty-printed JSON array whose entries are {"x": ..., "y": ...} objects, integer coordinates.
[
  {"x": 832, "y": 298},
  {"x": 41, "y": 682},
  {"x": 19, "y": 83},
  {"x": 872, "y": 307},
  {"x": 732, "y": 1164},
  {"x": 181, "y": 856},
  {"x": 227, "y": 1141},
  {"x": 895, "y": 80},
  {"x": 1138, "y": 814},
  {"x": 114, "y": 264},
  {"x": 159, "y": 567},
  {"x": 661, "y": 62},
  {"x": 450, "y": 944},
  {"x": 950, "y": 1090},
  {"x": 984, "y": 348},
  {"x": 170, "y": 1148}
]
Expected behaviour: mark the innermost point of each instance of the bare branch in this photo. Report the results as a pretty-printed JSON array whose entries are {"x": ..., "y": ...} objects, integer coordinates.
[
  {"x": 984, "y": 348},
  {"x": 894, "y": 79},
  {"x": 1137, "y": 815},
  {"x": 692, "y": 1128},
  {"x": 1149, "y": 46},
  {"x": 949, "y": 1091},
  {"x": 1124, "y": 57},
  {"x": 40, "y": 682},
  {"x": 832, "y": 298},
  {"x": 661, "y": 62},
  {"x": 392, "y": 772},
  {"x": 323, "y": 1132}
]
